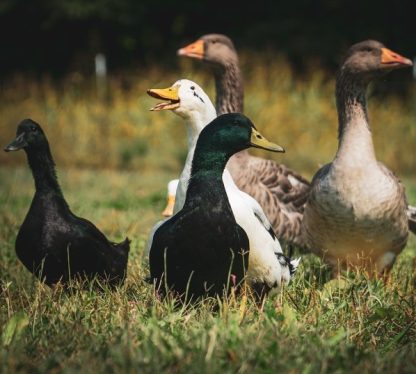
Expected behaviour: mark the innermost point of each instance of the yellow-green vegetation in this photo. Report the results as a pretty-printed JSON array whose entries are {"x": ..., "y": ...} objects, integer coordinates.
[
  {"x": 119, "y": 131},
  {"x": 114, "y": 158},
  {"x": 350, "y": 324}
]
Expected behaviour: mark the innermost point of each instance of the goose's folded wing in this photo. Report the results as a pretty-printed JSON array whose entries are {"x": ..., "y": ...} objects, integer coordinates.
[
  {"x": 290, "y": 188},
  {"x": 410, "y": 210}
]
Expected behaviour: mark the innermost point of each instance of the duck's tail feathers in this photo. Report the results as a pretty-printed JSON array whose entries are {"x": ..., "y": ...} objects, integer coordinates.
[
  {"x": 287, "y": 261},
  {"x": 124, "y": 246},
  {"x": 293, "y": 265},
  {"x": 411, "y": 215}
]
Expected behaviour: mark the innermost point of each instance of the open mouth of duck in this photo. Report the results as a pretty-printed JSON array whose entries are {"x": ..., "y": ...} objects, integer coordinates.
[{"x": 169, "y": 95}]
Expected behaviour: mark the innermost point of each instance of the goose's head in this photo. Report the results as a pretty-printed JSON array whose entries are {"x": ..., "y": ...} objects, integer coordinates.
[
  {"x": 369, "y": 59},
  {"x": 29, "y": 136},
  {"x": 232, "y": 132},
  {"x": 186, "y": 99},
  {"x": 216, "y": 49}
]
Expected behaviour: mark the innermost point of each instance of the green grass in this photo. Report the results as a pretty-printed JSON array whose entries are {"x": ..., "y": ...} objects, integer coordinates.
[{"x": 351, "y": 324}]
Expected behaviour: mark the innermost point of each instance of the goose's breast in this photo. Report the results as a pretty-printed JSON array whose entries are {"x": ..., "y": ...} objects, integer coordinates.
[{"x": 360, "y": 210}]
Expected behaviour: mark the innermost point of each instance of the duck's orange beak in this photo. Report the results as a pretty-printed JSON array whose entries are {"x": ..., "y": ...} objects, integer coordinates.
[{"x": 170, "y": 95}]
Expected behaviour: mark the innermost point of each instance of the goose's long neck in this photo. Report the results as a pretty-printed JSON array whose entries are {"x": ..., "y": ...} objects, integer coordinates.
[
  {"x": 43, "y": 170},
  {"x": 354, "y": 133},
  {"x": 229, "y": 88}
]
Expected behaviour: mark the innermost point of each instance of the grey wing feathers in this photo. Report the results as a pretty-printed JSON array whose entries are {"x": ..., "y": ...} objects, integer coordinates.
[{"x": 411, "y": 210}]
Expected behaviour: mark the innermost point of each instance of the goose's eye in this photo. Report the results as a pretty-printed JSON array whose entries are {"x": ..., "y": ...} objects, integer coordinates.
[
  {"x": 193, "y": 88},
  {"x": 34, "y": 129},
  {"x": 213, "y": 41}
]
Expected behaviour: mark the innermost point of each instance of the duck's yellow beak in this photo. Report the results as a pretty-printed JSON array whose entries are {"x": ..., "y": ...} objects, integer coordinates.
[
  {"x": 195, "y": 50},
  {"x": 170, "y": 94},
  {"x": 259, "y": 141},
  {"x": 168, "y": 211}
]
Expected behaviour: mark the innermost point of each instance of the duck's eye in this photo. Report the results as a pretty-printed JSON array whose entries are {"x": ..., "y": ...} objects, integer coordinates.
[
  {"x": 236, "y": 122},
  {"x": 192, "y": 88},
  {"x": 34, "y": 128},
  {"x": 213, "y": 41}
]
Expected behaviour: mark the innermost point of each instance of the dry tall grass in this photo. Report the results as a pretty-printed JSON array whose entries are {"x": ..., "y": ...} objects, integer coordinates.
[{"x": 297, "y": 112}]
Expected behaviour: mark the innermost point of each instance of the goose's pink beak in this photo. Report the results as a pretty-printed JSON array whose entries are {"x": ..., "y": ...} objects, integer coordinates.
[
  {"x": 390, "y": 59},
  {"x": 195, "y": 50}
]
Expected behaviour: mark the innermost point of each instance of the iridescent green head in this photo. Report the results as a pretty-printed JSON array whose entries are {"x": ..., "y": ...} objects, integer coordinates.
[{"x": 232, "y": 132}]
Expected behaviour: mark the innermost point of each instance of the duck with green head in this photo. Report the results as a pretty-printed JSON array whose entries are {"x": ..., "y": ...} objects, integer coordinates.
[
  {"x": 268, "y": 267},
  {"x": 201, "y": 250}
]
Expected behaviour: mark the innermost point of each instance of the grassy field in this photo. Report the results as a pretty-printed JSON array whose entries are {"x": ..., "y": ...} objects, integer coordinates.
[
  {"x": 114, "y": 159},
  {"x": 350, "y": 324}
]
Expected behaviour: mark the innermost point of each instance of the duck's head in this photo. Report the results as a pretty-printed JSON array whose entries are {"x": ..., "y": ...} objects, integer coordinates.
[
  {"x": 185, "y": 98},
  {"x": 232, "y": 132},
  {"x": 29, "y": 136},
  {"x": 216, "y": 49},
  {"x": 369, "y": 59}
]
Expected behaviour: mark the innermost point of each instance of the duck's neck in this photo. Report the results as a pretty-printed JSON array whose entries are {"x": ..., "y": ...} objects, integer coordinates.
[
  {"x": 43, "y": 170},
  {"x": 194, "y": 124},
  {"x": 196, "y": 121},
  {"x": 206, "y": 177},
  {"x": 194, "y": 128},
  {"x": 355, "y": 142}
]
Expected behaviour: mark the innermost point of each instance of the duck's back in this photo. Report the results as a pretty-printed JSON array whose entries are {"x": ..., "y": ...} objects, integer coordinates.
[{"x": 57, "y": 245}]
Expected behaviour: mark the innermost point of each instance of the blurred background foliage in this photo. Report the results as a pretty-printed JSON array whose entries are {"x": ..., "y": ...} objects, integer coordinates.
[
  {"x": 61, "y": 36},
  {"x": 288, "y": 51}
]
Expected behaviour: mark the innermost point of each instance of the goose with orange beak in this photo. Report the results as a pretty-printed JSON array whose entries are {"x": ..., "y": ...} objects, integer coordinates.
[{"x": 357, "y": 211}]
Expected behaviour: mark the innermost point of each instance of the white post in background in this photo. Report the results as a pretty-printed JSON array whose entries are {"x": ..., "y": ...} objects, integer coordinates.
[{"x": 101, "y": 75}]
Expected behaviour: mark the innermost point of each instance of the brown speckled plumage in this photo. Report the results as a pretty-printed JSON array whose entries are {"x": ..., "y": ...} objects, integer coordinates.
[{"x": 280, "y": 191}]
